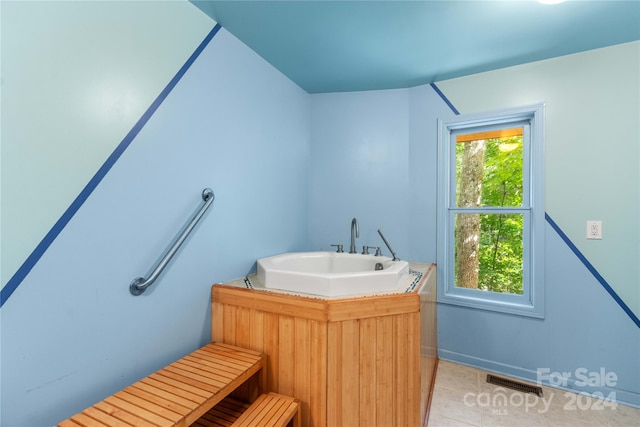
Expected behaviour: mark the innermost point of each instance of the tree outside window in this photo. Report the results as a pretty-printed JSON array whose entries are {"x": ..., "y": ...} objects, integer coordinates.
[
  {"x": 491, "y": 211},
  {"x": 488, "y": 247}
]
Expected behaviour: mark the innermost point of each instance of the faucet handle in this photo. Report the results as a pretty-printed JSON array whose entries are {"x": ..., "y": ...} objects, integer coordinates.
[
  {"x": 365, "y": 250},
  {"x": 340, "y": 250},
  {"x": 378, "y": 251}
]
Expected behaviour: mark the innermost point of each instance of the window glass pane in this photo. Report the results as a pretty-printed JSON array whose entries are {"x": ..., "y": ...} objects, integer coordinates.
[
  {"x": 488, "y": 252},
  {"x": 489, "y": 168}
]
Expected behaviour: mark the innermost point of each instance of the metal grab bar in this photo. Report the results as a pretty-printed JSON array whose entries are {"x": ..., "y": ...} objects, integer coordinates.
[{"x": 139, "y": 284}]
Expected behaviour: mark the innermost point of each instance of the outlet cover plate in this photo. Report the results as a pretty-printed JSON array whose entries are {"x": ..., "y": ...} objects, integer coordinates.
[{"x": 594, "y": 229}]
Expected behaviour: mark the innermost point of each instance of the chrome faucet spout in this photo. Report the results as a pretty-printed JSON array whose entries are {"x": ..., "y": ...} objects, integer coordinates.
[{"x": 355, "y": 232}]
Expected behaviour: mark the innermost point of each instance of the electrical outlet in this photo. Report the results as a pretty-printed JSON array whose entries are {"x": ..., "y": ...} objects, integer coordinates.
[{"x": 594, "y": 229}]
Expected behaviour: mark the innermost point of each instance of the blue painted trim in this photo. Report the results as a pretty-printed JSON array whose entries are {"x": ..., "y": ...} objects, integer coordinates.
[
  {"x": 593, "y": 271},
  {"x": 444, "y": 98},
  {"x": 57, "y": 228}
]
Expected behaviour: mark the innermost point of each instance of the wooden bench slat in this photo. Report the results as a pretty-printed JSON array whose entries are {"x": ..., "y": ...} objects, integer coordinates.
[
  {"x": 228, "y": 348},
  {"x": 211, "y": 419},
  {"x": 195, "y": 384},
  {"x": 254, "y": 410},
  {"x": 178, "y": 385},
  {"x": 105, "y": 418},
  {"x": 281, "y": 410},
  {"x": 86, "y": 421},
  {"x": 287, "y": 413},
  {"x": 230, "y": 353},
  {"x": 262, "y": 413},
  {"x": 232, "y": 386},
  {"x": 220, "y": 359},
  {"x": 231, "y": 407},
  {"x": 219, "y": 378},
  {"x": 197, "y": 376},
  {"x": 125, "y": 416},
  {"x": 275, "y": 414},
  {"x": 224, "y": 414},
  {"x": 160, "y": 390},
  {"x": 178, "y": 394},
  {"x": 210, "y": 366},
  {"x": 152, "y": 407},
  {"x": 206, "y": 423},
  {"x": 217, "y": 417},
  {"x": 174, "y": 389},
  {"x": 226, "y": 358},
  {"x": 152, "y": 418},
  {"x": 169, "y": 404},
  {"x": 269, "y": 410}
]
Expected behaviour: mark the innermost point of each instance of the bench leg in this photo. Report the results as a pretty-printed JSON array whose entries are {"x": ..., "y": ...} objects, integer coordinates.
[{"x": 296, "y": 421}]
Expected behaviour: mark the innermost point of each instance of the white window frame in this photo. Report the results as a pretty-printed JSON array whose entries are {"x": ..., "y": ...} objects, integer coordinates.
[{"x": 531, "y": 302}]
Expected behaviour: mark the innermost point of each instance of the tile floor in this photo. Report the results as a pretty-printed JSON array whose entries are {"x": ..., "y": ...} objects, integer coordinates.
[{"x": 463, "y": 398}]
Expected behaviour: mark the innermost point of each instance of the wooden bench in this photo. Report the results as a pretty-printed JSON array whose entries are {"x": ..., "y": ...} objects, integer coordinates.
[
  {"x": 179, "y": 394},
  {"x": 269, "y": 410}
]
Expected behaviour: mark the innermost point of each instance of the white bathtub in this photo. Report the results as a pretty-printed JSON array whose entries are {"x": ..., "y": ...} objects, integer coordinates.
[{"x": 330, "y": 273}]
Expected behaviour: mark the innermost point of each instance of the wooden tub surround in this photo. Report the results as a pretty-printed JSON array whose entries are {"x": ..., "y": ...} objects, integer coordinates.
[
  {"x": 350, "y": 361},
  {"x": 269, "y": 410},
  {"x": 361, "y": 361},
  {"x": 196, "y": 390}
]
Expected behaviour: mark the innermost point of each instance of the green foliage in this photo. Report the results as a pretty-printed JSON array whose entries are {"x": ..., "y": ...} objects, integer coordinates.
[
  {"x": 500, "y": 242},
  {"x": 501, "y": 235},
  {"x": 500, "y": 253}
]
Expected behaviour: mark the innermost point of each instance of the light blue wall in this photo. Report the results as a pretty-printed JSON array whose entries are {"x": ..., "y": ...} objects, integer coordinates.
[
  {"x": 586, "y": 177},
  {"x": 359, "y": 152},
  {"x": 72, "y": 333},
  {"x": 373, "y": 157},
  {"x": 76, "y": 76},
  {"x": 584, "y": 326},
  {"x": 289, "y": 171},
  {"x": 592, "y": 150}
]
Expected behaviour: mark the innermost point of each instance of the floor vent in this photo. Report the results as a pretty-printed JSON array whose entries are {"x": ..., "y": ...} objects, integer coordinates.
[{"x": 514, "y": 385}]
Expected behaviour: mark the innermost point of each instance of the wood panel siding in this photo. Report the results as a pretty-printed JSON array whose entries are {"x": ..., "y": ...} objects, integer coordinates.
[{"x": 350, "y": 362}]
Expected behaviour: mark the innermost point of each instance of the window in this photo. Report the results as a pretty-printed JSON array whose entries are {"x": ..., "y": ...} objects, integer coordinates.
[{"x": 490, "y": 211}]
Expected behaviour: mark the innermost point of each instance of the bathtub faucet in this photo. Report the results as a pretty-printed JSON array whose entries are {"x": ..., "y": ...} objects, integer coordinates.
[
  {"x": 395, "y": 257},
  {"x": 355, "y": 232}
]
